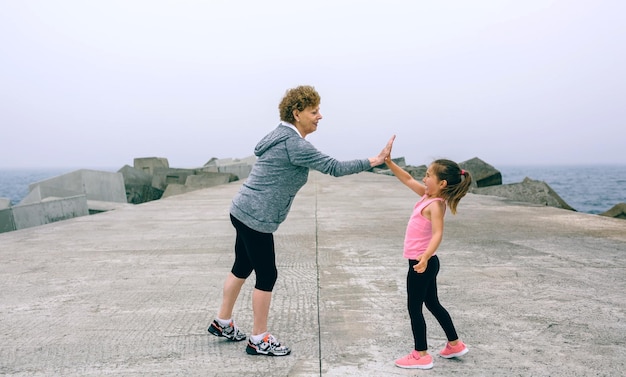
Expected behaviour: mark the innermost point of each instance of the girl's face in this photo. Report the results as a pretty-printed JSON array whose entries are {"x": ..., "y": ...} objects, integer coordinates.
[
  {"x": 432, "y": 183},
  {"x": 306, "y": 120}
]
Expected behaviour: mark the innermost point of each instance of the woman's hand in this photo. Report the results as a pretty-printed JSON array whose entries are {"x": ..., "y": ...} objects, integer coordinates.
[{"x": 384, "y": 154}]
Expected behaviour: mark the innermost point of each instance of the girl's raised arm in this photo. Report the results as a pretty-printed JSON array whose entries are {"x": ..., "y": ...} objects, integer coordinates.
[{"x": 405, "y": 177}]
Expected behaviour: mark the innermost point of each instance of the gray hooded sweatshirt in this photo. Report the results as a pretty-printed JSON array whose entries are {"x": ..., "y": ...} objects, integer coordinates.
[{"x": 281, "y": 169}]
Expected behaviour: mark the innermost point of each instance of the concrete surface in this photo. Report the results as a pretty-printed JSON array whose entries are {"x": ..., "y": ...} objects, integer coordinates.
[{"x": 533, "y": 291}]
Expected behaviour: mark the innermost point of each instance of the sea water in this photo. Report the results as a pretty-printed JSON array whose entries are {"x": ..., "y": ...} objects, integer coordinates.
[{"x": 589, "y": 188}]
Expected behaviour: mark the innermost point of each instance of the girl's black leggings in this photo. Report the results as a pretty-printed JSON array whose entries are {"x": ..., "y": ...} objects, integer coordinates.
[
  {"x": 422, "y": 289},
  {"x": 254, "y": 251}
]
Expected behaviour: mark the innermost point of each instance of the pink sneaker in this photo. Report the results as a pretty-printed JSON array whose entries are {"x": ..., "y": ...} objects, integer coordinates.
[
  {"x": 415, "y": 361},
  {"x": 453, "y": 351}
]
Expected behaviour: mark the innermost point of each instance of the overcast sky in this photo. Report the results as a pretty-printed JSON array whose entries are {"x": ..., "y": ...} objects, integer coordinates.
[{"x": 95, "y": 84}]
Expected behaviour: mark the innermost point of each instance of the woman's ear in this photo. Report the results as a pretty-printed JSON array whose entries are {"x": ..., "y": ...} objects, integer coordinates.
[{"x": 296, "y": 114}]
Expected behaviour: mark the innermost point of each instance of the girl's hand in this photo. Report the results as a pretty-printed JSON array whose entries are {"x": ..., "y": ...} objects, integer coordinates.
[{"x": 421, "y": 266}]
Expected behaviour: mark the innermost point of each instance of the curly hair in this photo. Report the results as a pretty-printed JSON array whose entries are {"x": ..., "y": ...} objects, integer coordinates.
[{"x": 298, "y": 98}]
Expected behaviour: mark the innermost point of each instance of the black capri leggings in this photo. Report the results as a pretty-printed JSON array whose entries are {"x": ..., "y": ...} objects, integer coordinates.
[
  {"x": 422, "y": 289},
  {"x": 254, "y": 251}
]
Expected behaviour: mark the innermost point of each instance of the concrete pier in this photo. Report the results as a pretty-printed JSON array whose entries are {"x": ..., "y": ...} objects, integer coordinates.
[{"x": 533, "y": 291}]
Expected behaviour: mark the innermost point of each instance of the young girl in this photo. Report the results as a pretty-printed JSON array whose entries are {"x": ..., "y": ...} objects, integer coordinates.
[{"x": 444, "y": 183}]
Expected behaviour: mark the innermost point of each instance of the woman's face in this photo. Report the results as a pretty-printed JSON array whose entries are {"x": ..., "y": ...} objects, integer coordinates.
[{"x": 306, "y": 120}]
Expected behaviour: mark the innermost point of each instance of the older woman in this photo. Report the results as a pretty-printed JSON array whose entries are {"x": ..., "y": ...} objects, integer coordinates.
[{"x": 284, "y": 158}]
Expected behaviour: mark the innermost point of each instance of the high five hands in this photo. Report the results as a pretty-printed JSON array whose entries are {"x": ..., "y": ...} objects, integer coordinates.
[{"x": 385, "y": 153}]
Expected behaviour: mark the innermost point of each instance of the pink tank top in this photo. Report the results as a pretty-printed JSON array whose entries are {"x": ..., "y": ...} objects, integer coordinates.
[{"x": 419, "y": 230}]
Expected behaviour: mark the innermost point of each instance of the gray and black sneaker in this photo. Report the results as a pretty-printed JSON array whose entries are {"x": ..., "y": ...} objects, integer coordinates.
[
  {"x": 229, "y": 332},
  {"x": 268, "y": 346}
]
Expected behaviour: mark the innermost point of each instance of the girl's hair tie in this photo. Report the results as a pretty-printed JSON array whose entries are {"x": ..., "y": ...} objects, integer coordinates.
[{"x": 462, "y": 172}]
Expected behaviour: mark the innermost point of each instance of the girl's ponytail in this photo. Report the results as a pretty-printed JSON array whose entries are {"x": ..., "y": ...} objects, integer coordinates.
[{"x": 458, "y": 181}]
